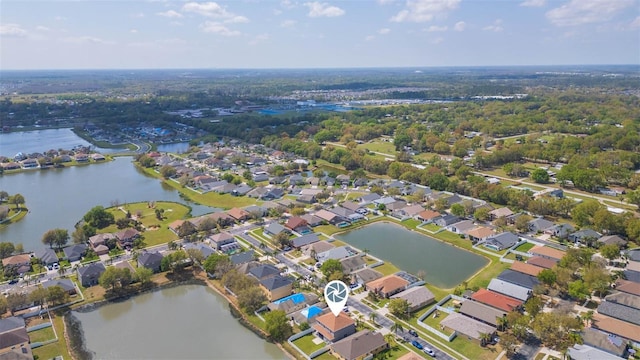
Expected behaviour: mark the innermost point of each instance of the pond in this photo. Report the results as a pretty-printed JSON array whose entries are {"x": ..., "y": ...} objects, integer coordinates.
[
  {"x": 183, "y": 322},
  {"x": 445, "y": 266},
  {"x": 58, "y": 198}
]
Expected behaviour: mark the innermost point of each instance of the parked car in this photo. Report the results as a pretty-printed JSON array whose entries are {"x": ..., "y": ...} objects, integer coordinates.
[
  {"x": 429, "y": 352},
  {"x": 13, "y": 281},
  {"x": 416, "y": 344},
  {"x": 413, "y": 332}
]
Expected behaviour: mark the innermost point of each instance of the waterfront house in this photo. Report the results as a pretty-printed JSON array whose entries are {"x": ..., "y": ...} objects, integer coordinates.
[
  {"x": 417, "y": 297},
  {"x": 21, "y": 263},
  {"x": 501, "y": 241},
  {"x": 480, "y": 233},
  {"x": 461, "y": 227},
  {"x": 101, "y": 239},
  {"x": 264, "y": 271},
  {"x": 496, "y": 300},
  {"x": 312, "y": 250},
  {"x": 333, "y": 328},
  {"x": 304, "y": 240},
  {"x": 509, "y": 289},
  {"x": 361, "y": 345},
  {"x": 364, "y": 276},
  {"x": 88, "y": 275},
  {"x": 445, "y": 220},
  {"x": 205, "y": 249},
  {"x": 352, "y": 263},
  {"x": 519, "y": 278},
  {"x": 276, "y": 287},
  {"x": 75, "y": 252},
  {"x": 65, "y": 284},
  {"x": 328, "y": 216},
  {"x": 427, "y": 215},
  {"x": 126, "y": 237},
  {"x": 15, "y": 342},
  {"x": 47, "y": 256},
  {"x": 150, "y": 260},
  {"x": 387, "y": 286}
]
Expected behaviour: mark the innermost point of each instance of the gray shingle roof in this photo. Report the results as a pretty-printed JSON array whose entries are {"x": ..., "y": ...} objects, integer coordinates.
[
  {"x": 509, "y": 289},
  {"x": 276, "y": 282},
  {"x": 518, "y": 278},
  {"x": 264, "y": 271},
  {"x": 621, "y": 312}
]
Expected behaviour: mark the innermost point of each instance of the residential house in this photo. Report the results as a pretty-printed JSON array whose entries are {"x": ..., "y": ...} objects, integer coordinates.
[
  {"x": 312, "y": 250},
  {"x": 296, "y": 179},
  {"x": 328, "y": 216},
  {"x": 101, "y": 250},
  {"x": 304, "y": 240},
  {"x": 222, "y": 241},
  {"x": 242, "y": 257},
  {"x": 411, "y": 211},
  {"x": 336, "y": 253},
  {"x": 342, "y": 212},
  {"x": 221, "y": 218},
  {"x": 294, "y": 303},
  {"x": 623, "y": 329},
  {"x": 307, "y": 199},
  {"x": 65, "y": 284},
  {"x": 584, "y": 236},
  {"x": 496, "y": 300},
  {"x": 88, "y": 275},
  {"x": 556, "y": 193},
  {"x": 546, "y": 252},
  {"x": 467, "y": 326},
  {"x": 544, "y": 263},
  {"x": 241, "y": 190},
  {"x": 343, "y": 179},
  {"x": 124, "y": 265},
  {"x": 361, "y": 345},
  {"x": 368, "y": 199},
  {"x": 480, "y": 233},
  {"x": 561, "y": 231},
  {"x": 101, "y": 239},
  {"x": 610, "y": 345},
  {"x": 238, "y": 214},
  {"x": 21, "y": 263},
  {"x": 525, "y": 268},
  {"x": 417, "y": 297},
  {"x": 351, "y": 206},
  {"x": 539, "y": 225},
  {"x": 509, "y": 289},
  {"x": 150, "y": 260},
  {"x": 205, "y": 249},
  {"x": 612, "y": 239},
  {"x": 14, "y": 339},
  {"x": 428, "y": 215},
  {"x": 256, "y": 211},
  {"x": 75, "y": 252},
  {"x": 501, "y": 241},
  {"x": 274, "y": 229},
  {"x": 334, "y": 328},
  {"x": 364, "y": 276},
  {"x": 47, "y": 256},
  {"x": 620, "y": 311},
  {"x": 296, "y": 223},
  {"x": 519, "y": 278},
  {"x": 387, "y": 286},
  {"x": 482, "y": 312},
  {"x": 312, "y": 220},
  {"x": 446, "y": 220},
  {"x": 500, "y": 212},
  {"x": 628, "y": 287},
  {"x": 264, "y": 271},
  {"x": 396, "y": 205},
  {"x": 352, "y": 263},
  {"x": 386, "y": 201},
  {"x": 126, "y": 237},
  {"x": 454, "y": 199},
  {"x": 461, "y": 227},
  {"x": 277, "y": 287}
]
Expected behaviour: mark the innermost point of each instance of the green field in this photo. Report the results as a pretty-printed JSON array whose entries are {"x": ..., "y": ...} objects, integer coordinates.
[
  {"x": 306, "y": 344},
  {"x": 42, "y": 335},
  {"x": 525, "y": 247}
]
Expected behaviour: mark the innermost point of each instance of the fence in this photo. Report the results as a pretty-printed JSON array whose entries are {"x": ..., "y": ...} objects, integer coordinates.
[
  {"x": 438, "y": 306},
  {"x": 300, "y": 335}
]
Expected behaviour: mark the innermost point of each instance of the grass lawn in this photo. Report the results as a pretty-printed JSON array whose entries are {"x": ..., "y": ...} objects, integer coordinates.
[
  {"x": 42, "y": 335},
  {"x": 435, "y": 323},
  {"x": 327, "y": 229},
  {"x": 431, "y": 227},
  {"x": 386, "y": 269},
  {"x": 16, "y": 217},
  {"x": 325, "y": 356},
  {"x": 306, "y": 344},
  {"x": 473, "y": 350},
  {"x": 58, "y": 348},
  {"x": 411, "y": 223},
  {"x": 525, "y": 247},
  {"x": 157, "y": 231},
  {"x": 380, "y": 146},
  {"x": 369, "y": 260},
  {"x": 511, "y": 256},
  {"x": 540, "y": 356},
  {"x": 395, "y": 351}
]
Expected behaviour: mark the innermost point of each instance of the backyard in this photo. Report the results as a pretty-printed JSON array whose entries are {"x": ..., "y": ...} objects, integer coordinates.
[{"x": 307, "y": 344}]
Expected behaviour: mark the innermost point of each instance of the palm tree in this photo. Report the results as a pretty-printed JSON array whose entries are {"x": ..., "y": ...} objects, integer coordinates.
[
  {"x": 396, "y": 327},
  {"x": 502, "y": 323},
  {"x": 389, "y": 338},
  {"x": 359, "y": 320},
  {"x": 313, "y": 254},
  {"x": 484, "y": 339},
  {"x": 587, "y": 318},
  {"x": 372, "y": 317}
]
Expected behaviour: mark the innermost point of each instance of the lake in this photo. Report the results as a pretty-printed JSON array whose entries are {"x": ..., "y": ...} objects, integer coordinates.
[
  {"x": 184, "y": 322},
  {"x": 445, "y": 266},
  {"x": 58, "y": 198},
  {"x": 176, "y": 148},
  {"x": 40, "y": 141}
]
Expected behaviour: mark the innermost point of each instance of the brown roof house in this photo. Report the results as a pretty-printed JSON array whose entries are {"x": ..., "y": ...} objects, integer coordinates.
[
  {"x": 361, "y": 345},
  {"x": 14, "y": 340},
  {"x": 21, "y": 263},
  {"x": 417, "y": 297},
  {"x": 387, "y": 286},
  {"x": 334, "y": 328},
  {"x": 546, "y": 252},
  {"x": 126, "y": 237},
  {"x": 239, "y": 214}
]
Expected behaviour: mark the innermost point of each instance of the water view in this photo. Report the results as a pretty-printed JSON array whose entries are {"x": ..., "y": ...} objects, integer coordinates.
[
  {"x": 176, "y": 148},
  {"x": 29, "y": 142},
  {"x": 445, "y": 266},
  {"x": 58, "y": 198},
  {"x": 185, "y": 322}
]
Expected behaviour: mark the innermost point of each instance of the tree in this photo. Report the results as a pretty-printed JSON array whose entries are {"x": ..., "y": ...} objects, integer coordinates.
[
  {"x": 6, "y": 249},
  {"x": 522, "y": 222},
  {"x": 167, "y": 171},
  {"x": 554, "y": 329},
  {"x": 17, "y": 301},
  {"x": 17, "y": 200},
  {"x": 457, "y": 209},
  {"x": 56, "y": 237},
  {"x": 610, "y": 251},
  {"x": 282, "y": 239},
  {"x": 583, "y": 213},
  {"x": 331, "y": 267},
  {"x": 143, "y": 275},
  {"x": 540, "y": 176},
  {"x": 533, "y": 306},
  {"x": 3, "y": 195},
  {"x": 399, "y": 308},
  {"x": 3, "y": 305},
  {"x": 211, "y": 263},
  {"x": 78, "y": 236},
  {"x": 39, "y": 296},
  {"x": 251, "y": 299},
  {"x": 396, "y": 327},
  {"x": 373, "y": 316},
  {"x": 113, "y": 277},
  {"x": 547, "y": 277},
  {"x": 481, "y": 214},
  {"x": 98, "y": 217},
  {"x": 187, "y": 228},
  {"x": 57, "y": 295},
  {"x": 207, "y": 224},
  {"x": 277, "y": 325},
  {"x": 509, "y": 344},
  {"x": 485, "y": 338},
  {"x": 578, "y": 290}
]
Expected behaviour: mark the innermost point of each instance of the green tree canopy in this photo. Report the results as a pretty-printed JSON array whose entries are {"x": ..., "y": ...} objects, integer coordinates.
[
  {"x": 277, "y": 325},
  {"x": 98, "y": 217}
]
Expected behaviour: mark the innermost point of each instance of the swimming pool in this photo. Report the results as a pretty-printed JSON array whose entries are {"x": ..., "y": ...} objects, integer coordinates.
[
  {"x": 296, "y": 298},
  {"x": 311, "y": 311}
]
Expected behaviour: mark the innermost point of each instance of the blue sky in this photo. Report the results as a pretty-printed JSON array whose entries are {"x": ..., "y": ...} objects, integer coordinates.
[{"x": 316, "y": 34}]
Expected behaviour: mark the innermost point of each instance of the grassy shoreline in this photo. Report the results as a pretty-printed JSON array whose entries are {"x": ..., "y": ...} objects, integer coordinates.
[
  {"x": 14, "y": 218},
  {"x": 101, "y": 144}
]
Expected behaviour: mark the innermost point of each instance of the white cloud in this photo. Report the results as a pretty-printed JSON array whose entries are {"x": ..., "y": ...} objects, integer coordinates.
[
  {"x": 208, "y": 9},
  {"x": 425, "y": 10},
  {"x": 534, "y": 3},
  {"x": 12, "y": 30},
  {"x": 137, "y": 16},
  {"x": 287, "y": 4},
  {"x": 579, "y": 12},
  {"x": 259, "y": 39},
  {"x": 218, "y": 28},
  {"x": 434, "y": 28},
  {"x": 495, "y": 27},
  {"x": 635, "y": 23},
  {"x": 86, "y": 40},
  {"x": 385, "y": 2},
  {"x": 318, "y": 9},
  {"x": 369, "y": 38},
  {"x": 288, "y": 23},
  {"x": 42, "y": 28},
  {"x": 172, "y": 14},
  {"x": 460, "y": 26},
  {"x": 238, "y": 19},
  {"x": 384, "y": 31},
  {"x": 133, "y": 31}
]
